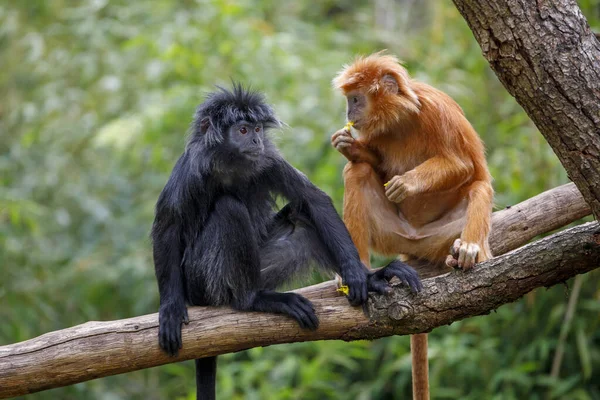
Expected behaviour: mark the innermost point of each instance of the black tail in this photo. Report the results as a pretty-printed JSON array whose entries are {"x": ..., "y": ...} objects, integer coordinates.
[{"x": 206, "y": 374}]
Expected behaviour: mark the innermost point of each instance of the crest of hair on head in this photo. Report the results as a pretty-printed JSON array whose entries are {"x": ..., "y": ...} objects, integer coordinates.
[
  {"x": 224, "y": 108},
  {"x": 388, "y": 86}
]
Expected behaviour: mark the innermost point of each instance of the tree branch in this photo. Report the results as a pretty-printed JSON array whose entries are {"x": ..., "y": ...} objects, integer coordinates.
[
  {"x": 547, "y": 57},
  {"x": 516, "y": 225},
  {"x": 97, "y": 349}
]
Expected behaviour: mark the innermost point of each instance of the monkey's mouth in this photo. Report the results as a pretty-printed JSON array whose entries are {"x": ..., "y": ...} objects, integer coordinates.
[
  {"x": 252, "y": 154},
  {"x": 356, "y": 124}
]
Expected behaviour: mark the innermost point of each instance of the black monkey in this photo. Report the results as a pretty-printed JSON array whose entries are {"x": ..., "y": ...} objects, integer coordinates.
[{"x": 217, "y": 239}]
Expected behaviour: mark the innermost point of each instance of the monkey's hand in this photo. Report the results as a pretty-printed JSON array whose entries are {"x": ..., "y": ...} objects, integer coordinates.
[
  {"x": 399, "y": 188},
  {"x": 378, "y": 280},
  {"x": 170, "y": 318},
  {"x": 343, "y": 142},
  {"x": 352, "y": 149},
  {"x": 463, "y": 255},
  {"x": 356, "y": 280}
]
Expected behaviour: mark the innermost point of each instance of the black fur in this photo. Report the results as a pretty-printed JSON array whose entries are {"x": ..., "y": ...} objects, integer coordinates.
[{"x": 217, "y": 239}]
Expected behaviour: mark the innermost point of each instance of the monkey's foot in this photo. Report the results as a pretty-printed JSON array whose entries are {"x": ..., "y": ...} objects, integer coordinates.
[{"x": 463, "y": 255}]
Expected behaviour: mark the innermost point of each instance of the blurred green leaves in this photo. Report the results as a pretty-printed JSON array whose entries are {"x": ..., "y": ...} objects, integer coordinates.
[{"x": 96, "y": 99}]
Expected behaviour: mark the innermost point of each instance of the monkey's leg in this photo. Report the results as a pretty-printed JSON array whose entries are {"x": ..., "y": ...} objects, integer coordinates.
[
  {"x": 357, "y": 176},
  {"x": 373, "y": 220},
  {"x": 292, "y": 245},
  {"x": 473, "y": 245},
  {"x": 227, "y": 264}
]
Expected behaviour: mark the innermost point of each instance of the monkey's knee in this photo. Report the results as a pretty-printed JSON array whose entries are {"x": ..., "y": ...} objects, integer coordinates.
[{"x": 358, "y": 172}]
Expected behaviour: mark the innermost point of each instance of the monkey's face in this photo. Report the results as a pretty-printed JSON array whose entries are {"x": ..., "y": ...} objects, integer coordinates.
[
  {"x": 356, "y": 107},
  {"x": 246, "y": 139}
]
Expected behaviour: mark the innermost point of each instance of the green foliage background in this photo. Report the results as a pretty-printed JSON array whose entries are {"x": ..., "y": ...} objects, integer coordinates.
[{"x": 95, "y": 100}]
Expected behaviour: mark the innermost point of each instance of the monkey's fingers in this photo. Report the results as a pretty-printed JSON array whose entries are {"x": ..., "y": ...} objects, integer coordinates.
[
  {"x": 186, "y": 318},
  {"x": 303, "y": 311},
  {"x": 304, "y": 315},
  {"x": 470, "y": 256},
  {"x": 169, "y": 339},
  {"x": 405, "y": 273},
  {"x": 467, "y": 254},
  {"x": 358, "y": 294},
  {"x": 455, "y": 248},
  {"x": 379, "y": 285},
  {"x": 396, "y": 191},
  {"x": 451, "y": 261},
  {"x": 342, "y": 140},
  {"x": 341, "y": 133}
]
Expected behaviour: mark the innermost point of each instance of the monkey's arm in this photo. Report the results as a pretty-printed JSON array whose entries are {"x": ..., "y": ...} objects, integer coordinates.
[
  {"x": 353, "y": 149},
  {"x": 168, "y": 252},
  {"x": 168, "y": 248},
  {"x": 439, "y": 173},
  {"x": 332, "y": 232},
  {"x": 296, "y": 187},
  {"x": 230, "y": 238}
]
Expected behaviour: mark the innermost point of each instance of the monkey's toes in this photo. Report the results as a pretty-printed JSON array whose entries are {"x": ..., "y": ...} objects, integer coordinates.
[
  {"x": 463, "y": 255},
  {"x": 451, "y": 261}
]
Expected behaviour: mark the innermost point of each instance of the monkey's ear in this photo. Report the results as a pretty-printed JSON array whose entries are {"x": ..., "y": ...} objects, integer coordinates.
[
  {"x": 206, "y": 129},
  {"x": 400, "y": 84},
  {"x": 389, "y": 84},
  {"x": 204, "y": 125}
]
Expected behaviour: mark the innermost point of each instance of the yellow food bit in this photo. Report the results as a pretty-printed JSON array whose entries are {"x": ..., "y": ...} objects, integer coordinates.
[
  {"x": 385, "y": 184},
  {"x": 343, "y": 289},
  {"x": 349, "y": 125}
]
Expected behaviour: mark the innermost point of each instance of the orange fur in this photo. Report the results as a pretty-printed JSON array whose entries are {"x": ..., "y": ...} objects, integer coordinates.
[
  {"x": 418, "y": 139},
  {"x": 422, "y": 136}
]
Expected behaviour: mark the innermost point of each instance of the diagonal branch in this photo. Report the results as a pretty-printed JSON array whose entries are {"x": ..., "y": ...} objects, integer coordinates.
[
  {"x": 96, "y": 349},
  {"x": 548, "y": 58}
]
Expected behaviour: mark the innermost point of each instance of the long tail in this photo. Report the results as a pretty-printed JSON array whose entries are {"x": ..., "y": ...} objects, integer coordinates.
[
  {"x": 206, "y": 374},
  {"x": 420, "y": 366}
]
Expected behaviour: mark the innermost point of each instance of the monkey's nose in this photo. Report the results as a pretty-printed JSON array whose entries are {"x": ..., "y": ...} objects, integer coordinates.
[{"x": 255, "y": 141}]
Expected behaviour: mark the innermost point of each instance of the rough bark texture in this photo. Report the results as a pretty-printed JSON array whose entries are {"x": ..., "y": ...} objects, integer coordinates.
[
  {"x": 548, "y": 58},
  {"x": 97, "y": 349},
  {"x": 516, "y": 225}
]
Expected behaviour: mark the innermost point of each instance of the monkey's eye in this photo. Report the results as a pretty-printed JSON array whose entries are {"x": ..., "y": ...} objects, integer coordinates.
[
  {"x": 355, "y": 99},
  {"x": 243, "y": 130},
  {"x": 257, "y": 129}
]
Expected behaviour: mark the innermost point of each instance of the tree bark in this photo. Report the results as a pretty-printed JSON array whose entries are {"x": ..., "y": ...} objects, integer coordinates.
[
  {"x": 97, "y": 349},
  {"x": 547, "y": 57},
  {"x": 516, "y": 225}
]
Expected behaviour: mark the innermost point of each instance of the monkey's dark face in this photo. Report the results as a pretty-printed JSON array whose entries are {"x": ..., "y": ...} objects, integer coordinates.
[
  {"x": 356, "y": 108},
  {"x": 246, "y": 139}
]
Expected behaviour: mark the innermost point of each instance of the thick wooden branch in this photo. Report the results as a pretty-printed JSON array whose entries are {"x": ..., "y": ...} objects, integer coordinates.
[
  {"x": 548, "y": 58},
  {"x": 516, "y": 225},
  {"x": 97, "y": 349}
]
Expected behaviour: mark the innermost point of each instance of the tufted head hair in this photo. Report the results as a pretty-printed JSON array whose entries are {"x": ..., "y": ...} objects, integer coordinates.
[
  {"x": 223, "y": 108},
  {"x": 387, "y": 85}
]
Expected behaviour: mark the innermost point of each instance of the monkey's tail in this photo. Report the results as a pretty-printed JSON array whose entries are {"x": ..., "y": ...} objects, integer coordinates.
[
  {"x": 420, "y": 366},
  {"x": 206, "y": 374}
]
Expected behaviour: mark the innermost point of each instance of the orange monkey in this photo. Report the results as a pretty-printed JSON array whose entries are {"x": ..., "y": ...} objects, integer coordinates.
[{"x": 417, "y": 182}]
